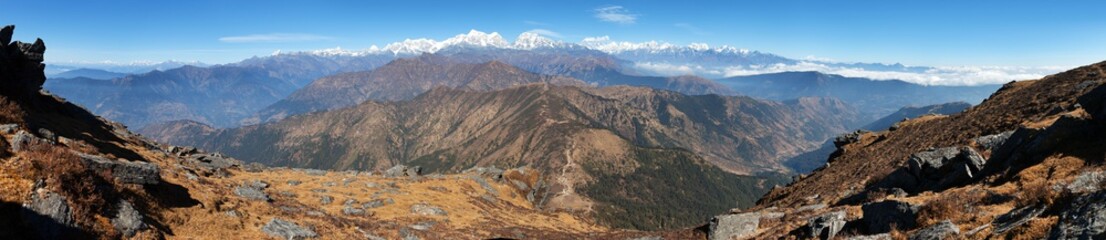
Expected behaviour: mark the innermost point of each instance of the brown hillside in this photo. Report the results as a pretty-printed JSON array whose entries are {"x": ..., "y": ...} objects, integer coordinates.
[{"x": 1027, "y": 163}]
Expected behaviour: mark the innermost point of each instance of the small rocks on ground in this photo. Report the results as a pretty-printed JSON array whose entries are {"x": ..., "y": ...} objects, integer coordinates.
[
  {"x": 943, "y": 230},
  {"x": 731, "y": 226},
  {"x": 427, "y": 210},
  {"x": 283, "y": 229},
  {"x": 378, "y": 203},
  {"x": 252, "y": 192},
  {"x": 826, "y": 226}
]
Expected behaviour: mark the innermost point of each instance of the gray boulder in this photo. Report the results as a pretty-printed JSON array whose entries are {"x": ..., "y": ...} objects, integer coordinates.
[
  {"x": 132, "y": 172},
  {"x": 414, "y": 171},
  {"x": 314, "y": 172},
  {"x": 378, "y": 203},
  {"x": 49, "y": 214},
  {"x": 1016, "y": 218},
  {"x": 396, "y": 171},
  {"x": 992, "y": 142},
  {"x": 733, "y": 226},
  {"x": 1086, "y": 182},
  {"x": 1084, "y": 218},
  {"x": 325, "y": 200},
  {"x": 879, "y": 217},
  {"x": 881, "y": 236},
  {"x": 943, "y": 230},
  {"x": 22, "y": 140},
  {"x": 48, "y": 135},
  {"x": 210, "y": 160},
  {"x": 944, "y": 167},
  {"x": 127, "y": 220},
  {"x": 826, "y": 226},
  {"x": 845, "y": 139},
  {"x": 427, "y": 210},
  {"x": 252, "y": 192},
  {"x": 282, "y": 229},
  {"x": 351, "y": 210},
  {"x": 8, "y": 128}
]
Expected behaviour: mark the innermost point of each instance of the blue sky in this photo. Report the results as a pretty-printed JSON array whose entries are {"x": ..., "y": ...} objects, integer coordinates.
[{"x": 934, "y": 33}]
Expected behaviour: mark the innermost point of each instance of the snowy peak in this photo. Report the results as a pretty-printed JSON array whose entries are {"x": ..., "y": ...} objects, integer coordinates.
[
  {"x": 477, "y": 39},
  {"x": 531, "y": 40},
  {"x": 605, "y": 44}
]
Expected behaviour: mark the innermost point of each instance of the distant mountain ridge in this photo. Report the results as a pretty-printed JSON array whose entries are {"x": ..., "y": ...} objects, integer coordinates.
[
  {"x": 406, "y": 78},
  {"x": 913, "y": 112},
  {"x": 874, "y": 98},
  {"x": 88, "y": 73}
]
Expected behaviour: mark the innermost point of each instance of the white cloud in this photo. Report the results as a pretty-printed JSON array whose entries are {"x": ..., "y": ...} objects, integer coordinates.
[
  {"x": 546, "y": 32},
  {"x": 274, "y": 37},
  {"x": 948, "y": 75},
  {"x": 615, "y": 14}
]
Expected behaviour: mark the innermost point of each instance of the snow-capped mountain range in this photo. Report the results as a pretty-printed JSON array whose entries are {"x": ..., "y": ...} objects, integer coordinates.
[{"x": 524, "y": 41}]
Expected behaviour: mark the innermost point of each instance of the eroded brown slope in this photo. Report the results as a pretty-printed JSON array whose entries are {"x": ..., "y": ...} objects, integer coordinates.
[
  {"x": 542, "y": 126},
  {"x": 1015, "y": 104},
  {"x": 404, "y": 79},
  {"x": 1025, "y": 164}
]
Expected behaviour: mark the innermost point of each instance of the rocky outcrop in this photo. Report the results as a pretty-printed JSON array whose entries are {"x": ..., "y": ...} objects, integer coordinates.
[
  {"x": 991, "y": 142},
  {"x": 21, "y": 65},
  {"x": 1087, "y": 182},
  {"x": 49, "y": 213},
  {"x": 938, "y": 168},
  {"x": 1084, "y": 219},
  {"x": 943, "y": 230},
  {"x": 880, "y": 217},
  {"x": 1028, "y": 142},
  {"x": 733, "y": 226},
  {"x": 282, "y": 229},
  {"x": 1016, "y": 218},
  {"x": 826, "y": 226},
  {"x": 124, "y": 171}
]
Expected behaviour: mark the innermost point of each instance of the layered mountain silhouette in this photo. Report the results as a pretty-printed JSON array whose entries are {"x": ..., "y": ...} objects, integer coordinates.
[
  {"x": 874, "y": 98},
  {"x": 404, "y": 79},
  {"x": 220, "y": 95}
]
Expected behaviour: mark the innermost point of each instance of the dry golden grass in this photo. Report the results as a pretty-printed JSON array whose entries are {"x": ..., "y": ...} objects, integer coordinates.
[{"x": 10, "y": 112}]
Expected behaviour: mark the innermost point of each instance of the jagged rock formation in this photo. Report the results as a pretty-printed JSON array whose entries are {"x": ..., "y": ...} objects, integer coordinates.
[
  {"x": 1025, "y": 165},
  {"x": 21, "y": 65}
]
